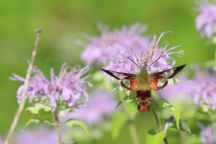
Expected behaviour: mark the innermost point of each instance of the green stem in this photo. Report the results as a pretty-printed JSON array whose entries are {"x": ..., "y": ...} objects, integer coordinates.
[
  {"x": 58, "y": 127},
  {"x": 132, "y": 128},
  {"x": 158, "y": 122}
]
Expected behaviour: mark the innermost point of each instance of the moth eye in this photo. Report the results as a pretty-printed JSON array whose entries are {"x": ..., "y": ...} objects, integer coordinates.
[{"x": 161, "y": 82}]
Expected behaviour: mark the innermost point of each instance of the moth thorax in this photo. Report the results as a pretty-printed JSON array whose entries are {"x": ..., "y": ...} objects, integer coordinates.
[{"x": 143, "y": 80}]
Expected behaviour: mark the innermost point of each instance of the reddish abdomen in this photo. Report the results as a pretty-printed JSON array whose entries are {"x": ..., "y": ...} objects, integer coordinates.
[{"x": 143, "y": 98}]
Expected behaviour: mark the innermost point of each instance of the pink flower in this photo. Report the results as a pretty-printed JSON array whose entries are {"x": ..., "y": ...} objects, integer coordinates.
[
  {"x": 153, "y": 56},
  {"x": 100, "y": 104},
  {"x": 40, "y": 135},
  {"x": 206, "y": 20},
  {"x": 106, "y": 46},
  {"x": 207, "y": 135},
  {"x": 67, "y": 87}
]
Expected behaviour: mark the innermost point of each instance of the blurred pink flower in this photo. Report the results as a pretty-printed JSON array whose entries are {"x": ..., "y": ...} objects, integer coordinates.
[
  {"x": 106, "y": 46},
  {"x": 66, "y": 87},
  {"x": 201, "y": 88},
  {"x": 178, "y": 91},
  {"x": 100, "y": 104},
  {"x": 206, "y": 20},
  {"x": 204, "y": 88},
  {"x": 40, "y": 135},
  {"x": 207, "y": 135}
]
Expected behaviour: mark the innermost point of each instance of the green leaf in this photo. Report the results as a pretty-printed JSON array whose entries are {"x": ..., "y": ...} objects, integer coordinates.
[
  {"x": 155, "y": 137},
  {"x": 118, "y": 121},
  {"x": 37, "y": 107},
  {"x": 119, "y": 103},
  {"x": 35, "y": 121},
  {"x": 184, "y": 127},
  {"x": 165, "y": 105},
  {"x": 38, "y": 121},
  {"x": 176, "y": 115},
  {"x": 72, "y": 122},
  {"x": 64, "y": 112}
]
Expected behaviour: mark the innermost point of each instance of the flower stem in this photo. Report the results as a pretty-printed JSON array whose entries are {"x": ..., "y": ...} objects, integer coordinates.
[
  {"x": 158, "y": 122},
  {"x": 58, "y": 127},
  {"x": 132, "y": 128},
  {"x": 23, "y": 98}
]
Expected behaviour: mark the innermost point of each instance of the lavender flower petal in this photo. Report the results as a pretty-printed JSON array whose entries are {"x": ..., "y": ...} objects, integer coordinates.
[{"x": 99, "y": 105}]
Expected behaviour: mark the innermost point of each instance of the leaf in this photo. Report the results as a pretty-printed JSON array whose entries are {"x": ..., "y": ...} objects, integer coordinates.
[
  {"x": 165, "y": 105},
  {"x": 155, "y": 137},
  {"x": 64, "y": 112},
  {"x": 118, "y": 121},
  {"x": 118, "y": 104},
  {"x": 36, "y": 121},
  {"x": 37, "y": 107},
  {"x": 72, "y": 122},
  {"x": 185, "y": 127}
]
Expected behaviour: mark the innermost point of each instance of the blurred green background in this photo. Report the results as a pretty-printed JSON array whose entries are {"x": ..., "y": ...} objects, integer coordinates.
[{"x": 64, "y": 22}]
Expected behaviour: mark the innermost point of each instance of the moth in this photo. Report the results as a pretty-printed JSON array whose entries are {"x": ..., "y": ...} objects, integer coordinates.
[{"x": 143, "y": 83}]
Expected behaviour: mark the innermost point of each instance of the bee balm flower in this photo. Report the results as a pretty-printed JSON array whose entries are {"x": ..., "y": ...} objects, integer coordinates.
[
  {"x": 67, "y": 87},
  {"x": 204, "y": 88},
  {"x": 100, "y": 104},
  {"x": 158, "y": 58},
  {"x": 106, "y": 46},
  {"x": 206, "y": 20},
  {"x": 41, "y": 135}
]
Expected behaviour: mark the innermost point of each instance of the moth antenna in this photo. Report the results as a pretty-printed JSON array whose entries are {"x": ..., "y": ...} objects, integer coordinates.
[
  {"x": 133, "y": 62},
  {"x": 156, "y": 60}
]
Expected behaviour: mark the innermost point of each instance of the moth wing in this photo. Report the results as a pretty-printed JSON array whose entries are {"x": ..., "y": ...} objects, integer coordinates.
[
  {"x": 163, "y": 76},
  {"x": 167, "y": 74},
  {"x": 126, "y": 77},
  {"x": 117, "y": 74}
]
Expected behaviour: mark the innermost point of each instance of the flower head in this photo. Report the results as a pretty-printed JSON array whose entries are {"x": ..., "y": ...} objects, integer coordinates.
[
  {"x": 100, "y": 104},
  {"x": 67, "y": 87},
  {"x": 178, "y": 91},
  {"x": 206, "y": 20},
  {"x": 107, "y": 44},
  {"x": 207, "y": 135},
  {"x": 151, "y": 56},
  {"x": 204, "y": 88},
  {"x": 41, "y": 135}
]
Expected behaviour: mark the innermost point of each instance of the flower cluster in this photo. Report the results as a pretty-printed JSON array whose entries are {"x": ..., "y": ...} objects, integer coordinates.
[
  {"x": 113, "y": 50},
  {"x": 204, "y": 88},
  {"x": 107, "y": 45},
  {"x": 206, "y": 20},
  {"x": 179, "y": 91},
  {"x": 40, "y": 135},
  {"x": 100, "y": 104},
  {"x": 207, "y": 135},
  {"x": 151, "y": 55},
  {"x": 67, "y": 87}
]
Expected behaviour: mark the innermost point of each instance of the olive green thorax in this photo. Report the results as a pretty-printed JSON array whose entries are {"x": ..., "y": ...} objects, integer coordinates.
[{"x": 143, "y": 80}]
